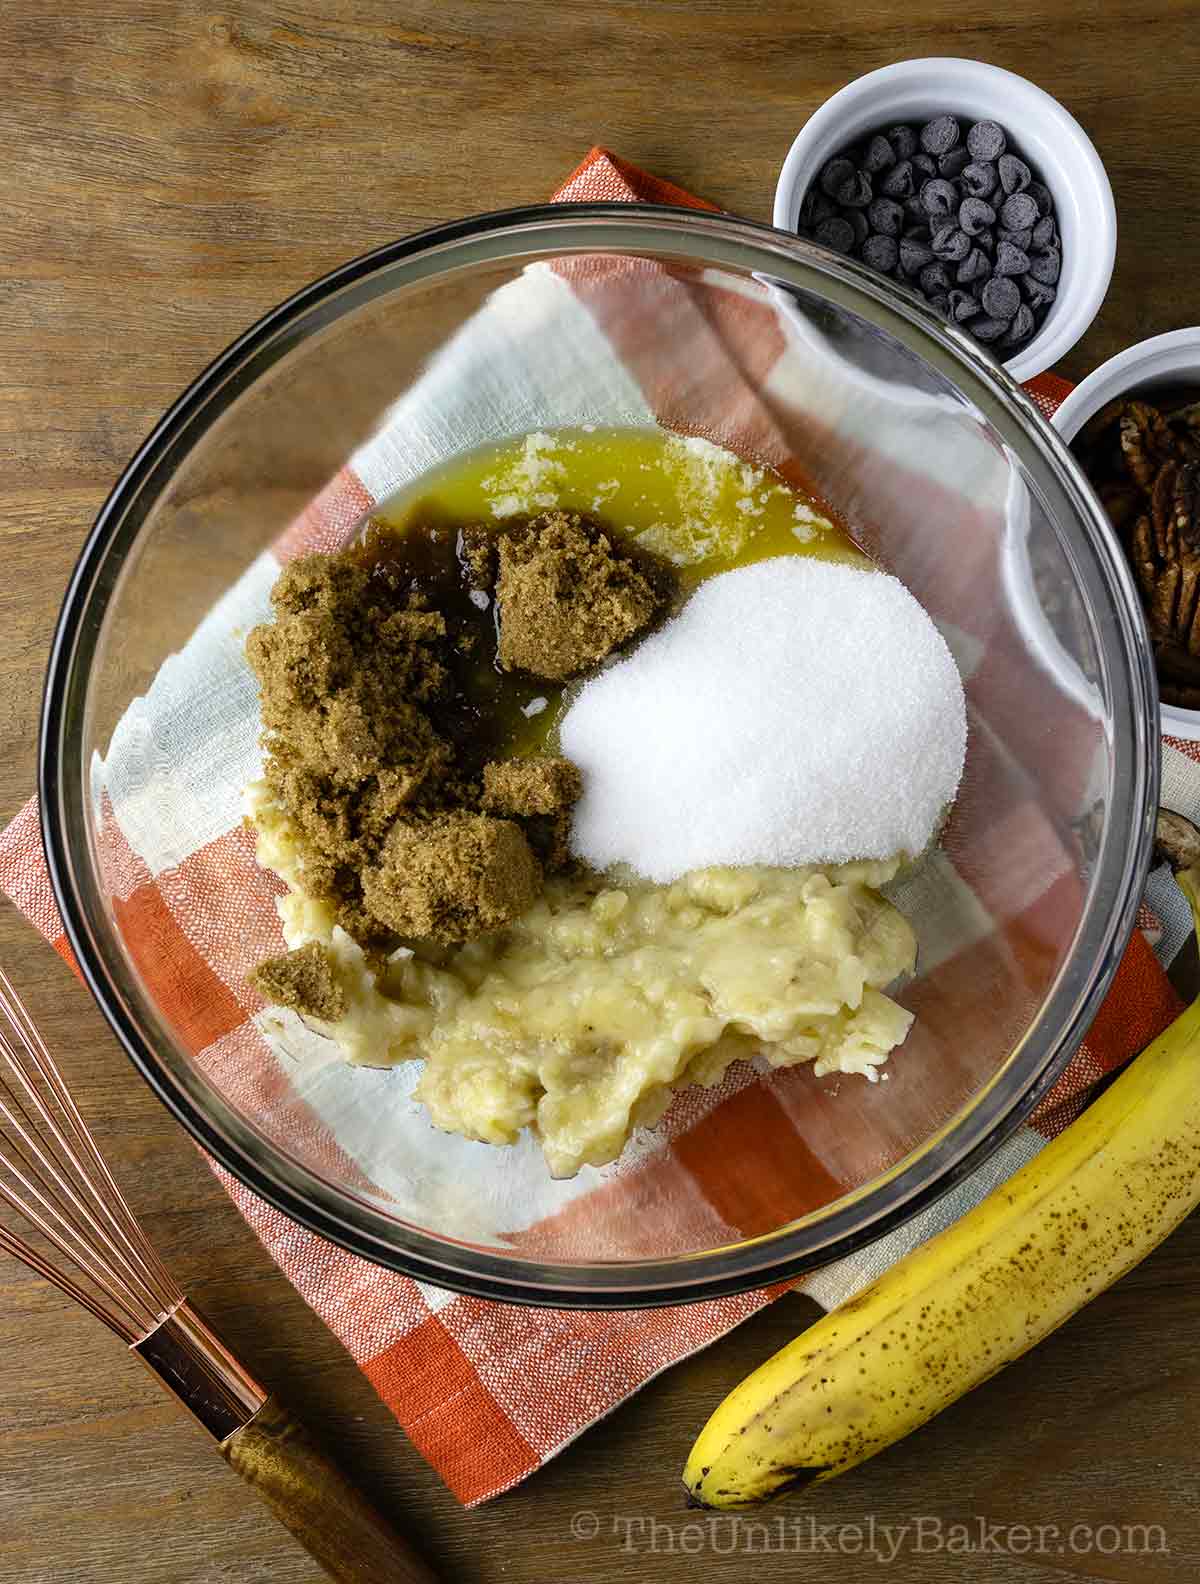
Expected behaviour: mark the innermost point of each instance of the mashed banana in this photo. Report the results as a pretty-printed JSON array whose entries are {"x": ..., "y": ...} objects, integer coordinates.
[{"x": 581, "y": 1018}]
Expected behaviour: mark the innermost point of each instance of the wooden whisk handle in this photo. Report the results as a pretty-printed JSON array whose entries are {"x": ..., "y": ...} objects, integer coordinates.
[
  {"x": 310, "y": 1495},
  {"x": 275, "y": 1454}
]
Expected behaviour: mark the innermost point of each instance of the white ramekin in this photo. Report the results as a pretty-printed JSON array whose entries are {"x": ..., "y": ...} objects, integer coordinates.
[
  {"x": 1164, "y": 360},
  {"x": 1047, "y": 135}
]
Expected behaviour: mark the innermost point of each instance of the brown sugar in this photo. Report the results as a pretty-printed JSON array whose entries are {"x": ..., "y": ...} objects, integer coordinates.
[
  {"x": 352, "y": 674},
  {"x": 538, "y": 791},
  {"x": 567, "y": 596},
  {"x": 344, "y": 679},
  {"x": 477, "y": 555},
  {"x": 385, "y": 712},
  {"x": 540, "y": 784},
  {"x": 304, "y": 980},
  {"x": 550, "y": 837},
  {"x": 452, "y": 877}
]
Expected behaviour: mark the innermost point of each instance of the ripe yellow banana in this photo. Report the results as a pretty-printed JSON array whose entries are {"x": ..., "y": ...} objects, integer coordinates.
[{"x": 1085, "y": 1210}]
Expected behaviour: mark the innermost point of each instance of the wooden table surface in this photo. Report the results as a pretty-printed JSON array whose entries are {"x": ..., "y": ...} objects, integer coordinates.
[{"x": 167, "y": 172}]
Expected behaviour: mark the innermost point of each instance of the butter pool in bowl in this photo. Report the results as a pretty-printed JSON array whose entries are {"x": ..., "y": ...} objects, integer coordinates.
[{"x": 620, "y": 319}]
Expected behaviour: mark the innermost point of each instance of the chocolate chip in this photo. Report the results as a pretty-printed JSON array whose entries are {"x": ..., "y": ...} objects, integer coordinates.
[
  {"x": 913, "y": 255},
  {"x": 1015, "y": 175},
  {"x": 878, "y": 155},
  {"x": 939, "y": 135},
  {"x": 1011, "y": 260},
  {"x": 1021, "y": 328},
  {"x": 1045, "y": 266},
  {"x": 951, "y": 243},
  {"x": 1038, "y": 293},
  {"x": 953, "y": 164},
  {"x": 986, "y": 141},
  {"x": 963, "y": 222},
  {"x": 975, "y": 267},
  {"x": 885, "y": 216},
  {"x": 898, "y": 182},
  {"x": 856, "y": 192},
  {"x": 858, "y": 224},
  {"x": 935, "y": 277},
  {"x": 914, "y": 211},
  {"x": 988, "y": 329},
  {"x": 1000, "y": 297},
  {"x": 838, "y": 171},
  {"x": 835, "y": 233},
  {"x": 975, "y": 215},
  {"x": 938, "y": 197},
  {"x": 1018, "y": 211},
  {"x": 881, "y": 253},
  {"x": 980, "y": 178},
  {"x": 815, "y": 207}
]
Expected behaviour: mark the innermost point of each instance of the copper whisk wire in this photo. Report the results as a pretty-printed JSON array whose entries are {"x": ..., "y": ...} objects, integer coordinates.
[{"x": 53, "y": 1176}]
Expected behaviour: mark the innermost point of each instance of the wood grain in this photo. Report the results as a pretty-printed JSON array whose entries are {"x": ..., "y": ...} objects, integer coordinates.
[{"x": 170, "y": 171}]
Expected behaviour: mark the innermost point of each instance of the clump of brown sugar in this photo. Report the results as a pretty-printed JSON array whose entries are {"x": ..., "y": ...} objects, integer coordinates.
[
  {"x": 349, "y": 675},
  {"x": 373, "y": 750},
  {"x": 567, "y": 596},
  {"x": 346, "y": 679},
  {"x": 540, "y": 792},
  {"x": 451, "y": 877},
  {"x": 304, "y": 980},
  {"x": 477, "y": 555},
  {"x": 540, "y": 784}
]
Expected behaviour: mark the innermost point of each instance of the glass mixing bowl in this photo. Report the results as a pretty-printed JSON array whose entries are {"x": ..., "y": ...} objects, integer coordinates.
[{"x": 502, "y": 325}]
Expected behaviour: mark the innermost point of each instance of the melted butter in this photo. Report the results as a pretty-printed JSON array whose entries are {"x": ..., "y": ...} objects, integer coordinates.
[{"x": 700, "y": 508}]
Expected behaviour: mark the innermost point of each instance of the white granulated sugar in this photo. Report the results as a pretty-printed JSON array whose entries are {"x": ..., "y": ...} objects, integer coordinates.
[{"x": 797, "y": 711}]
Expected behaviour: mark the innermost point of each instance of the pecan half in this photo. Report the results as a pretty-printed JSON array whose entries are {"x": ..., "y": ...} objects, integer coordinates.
[
  {"x": 1123, "y": 502},
  {"x": 1146, "y": 441},
  {"x": 1185, "y": 505},
  {"x": 1162, "y": 512},
  {"x": 1184, "y": 423},
  {"x": 1145, "y": 465}
]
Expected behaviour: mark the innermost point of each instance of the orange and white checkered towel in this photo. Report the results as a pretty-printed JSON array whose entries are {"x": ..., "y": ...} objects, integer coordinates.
[{"x": 489, "y": 1391}]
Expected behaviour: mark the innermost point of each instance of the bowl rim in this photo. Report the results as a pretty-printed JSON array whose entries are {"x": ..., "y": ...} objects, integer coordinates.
[
  {"x": 935, "y": 1166},
  {"x": 1048, "y": 346},
  {"x": 1171, "y": 352}
]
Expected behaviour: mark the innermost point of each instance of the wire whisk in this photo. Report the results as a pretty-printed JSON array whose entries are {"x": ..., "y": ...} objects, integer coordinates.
[
  {"x": 89, "y": 1244},
  {"x": 53, "y": 1175}
]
